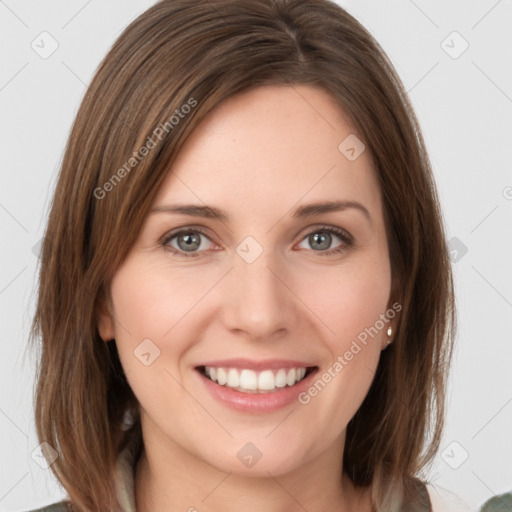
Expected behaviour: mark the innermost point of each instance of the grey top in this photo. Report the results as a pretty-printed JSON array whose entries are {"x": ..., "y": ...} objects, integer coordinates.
[
  {"x": 499, "y": 503},
  {"x": 56, "y": 507}
]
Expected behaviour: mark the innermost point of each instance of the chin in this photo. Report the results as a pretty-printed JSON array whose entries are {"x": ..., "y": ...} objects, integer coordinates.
[{"x": 254, "y": 461}]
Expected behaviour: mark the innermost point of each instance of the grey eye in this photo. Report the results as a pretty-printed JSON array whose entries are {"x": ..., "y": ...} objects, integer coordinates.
[
  {"x": 320, "y": 240},
  {"x": 190, "y": 241}
]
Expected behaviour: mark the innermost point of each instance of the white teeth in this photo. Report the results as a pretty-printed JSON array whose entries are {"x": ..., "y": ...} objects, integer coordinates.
[
  {"x": 280, "y": 379},
  {"x": 266, "y": 380},
  {"x": 233, "y": 378},
  {"x": 291, "y": 377},
  {"x": 249, "y": 380},
  {"x": 222, "y": 378}
]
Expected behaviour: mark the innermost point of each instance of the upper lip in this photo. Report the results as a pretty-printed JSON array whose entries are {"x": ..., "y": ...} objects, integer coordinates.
[{"x": 250, "y": 364}]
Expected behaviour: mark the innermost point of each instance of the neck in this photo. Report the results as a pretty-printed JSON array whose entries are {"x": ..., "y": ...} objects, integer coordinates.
[{"x": 168, "y": 477}]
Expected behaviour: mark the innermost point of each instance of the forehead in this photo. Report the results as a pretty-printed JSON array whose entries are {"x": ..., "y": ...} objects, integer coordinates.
[{"x": 268, "y": 149}]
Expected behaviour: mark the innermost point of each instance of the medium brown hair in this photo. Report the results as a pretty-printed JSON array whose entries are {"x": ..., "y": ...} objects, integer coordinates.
[{"x": 183, "y": 52}]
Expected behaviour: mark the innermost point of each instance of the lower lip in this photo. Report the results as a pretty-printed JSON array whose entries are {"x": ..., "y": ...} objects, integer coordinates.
[{"x": 256, "y": 403}]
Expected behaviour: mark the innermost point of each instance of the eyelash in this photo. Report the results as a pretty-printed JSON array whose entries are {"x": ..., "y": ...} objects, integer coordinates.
[{"x": 343, "y": 235}]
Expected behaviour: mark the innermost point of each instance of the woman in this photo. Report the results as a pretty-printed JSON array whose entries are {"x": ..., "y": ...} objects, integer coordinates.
[{"x": 245, "y": 293}]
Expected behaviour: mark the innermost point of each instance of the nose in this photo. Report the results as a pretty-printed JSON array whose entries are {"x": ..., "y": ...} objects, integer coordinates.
[{"x": 258, "y": 301}]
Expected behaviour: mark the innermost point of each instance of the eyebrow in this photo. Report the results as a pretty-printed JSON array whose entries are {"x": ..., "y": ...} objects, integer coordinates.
[{"x": 309, "y": 210}]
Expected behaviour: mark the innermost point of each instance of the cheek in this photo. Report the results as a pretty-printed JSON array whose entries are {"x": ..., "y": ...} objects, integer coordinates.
[
  {"x": 150, "y": 305},
  {"x": 348, "y": 302},
  {"x": 351, "y": 306},
  {"x": 352, "y": 309},
  {"x": 150, "y": 300},
  {"x": 155, "y": 302}
]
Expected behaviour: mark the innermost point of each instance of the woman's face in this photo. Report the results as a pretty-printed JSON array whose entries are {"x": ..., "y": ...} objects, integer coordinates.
[{"x": 269, "y": 287}]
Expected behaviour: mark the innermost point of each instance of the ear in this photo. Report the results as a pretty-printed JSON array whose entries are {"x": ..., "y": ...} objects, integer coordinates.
[{"x": 104, "y": 319}]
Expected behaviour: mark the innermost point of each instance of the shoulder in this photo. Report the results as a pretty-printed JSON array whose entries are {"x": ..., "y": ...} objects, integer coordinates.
[
  {"x": 498, "y": 503},
  {"x": 61, "y": 506},
  {"x": 444, "y": 500}
]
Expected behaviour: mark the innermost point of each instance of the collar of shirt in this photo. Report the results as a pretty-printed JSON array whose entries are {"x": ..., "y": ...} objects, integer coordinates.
[{"x": 124, "y": 479}]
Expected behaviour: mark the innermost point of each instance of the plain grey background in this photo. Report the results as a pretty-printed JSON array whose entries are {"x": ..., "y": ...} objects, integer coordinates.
[{"x": 455, "y": 60}]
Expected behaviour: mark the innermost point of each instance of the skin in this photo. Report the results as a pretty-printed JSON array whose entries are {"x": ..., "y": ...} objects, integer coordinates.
[{"x": 258, "y": 156}]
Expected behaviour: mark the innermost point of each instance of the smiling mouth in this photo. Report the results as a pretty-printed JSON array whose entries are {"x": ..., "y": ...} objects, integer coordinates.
[{"x": 250, "y": 381}]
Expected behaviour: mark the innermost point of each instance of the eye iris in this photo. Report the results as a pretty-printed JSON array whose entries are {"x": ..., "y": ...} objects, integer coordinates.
[
  {"x": 322, "y": 239},
  {"x": 191, "y": 241}
]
